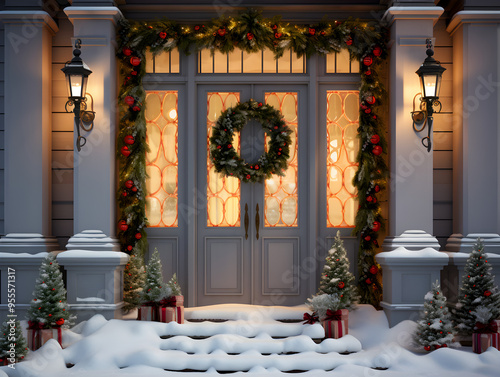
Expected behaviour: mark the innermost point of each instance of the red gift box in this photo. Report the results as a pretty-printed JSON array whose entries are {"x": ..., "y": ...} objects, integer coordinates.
[
  {"x": 336, "y": 323},
  {"x": 38, "y": 337},
  {"x": 173, "y": 301},
  {"x": 482, "y": 341},
  {"x": 147, "y": 313},
  {"x": 172, "y": 314}
]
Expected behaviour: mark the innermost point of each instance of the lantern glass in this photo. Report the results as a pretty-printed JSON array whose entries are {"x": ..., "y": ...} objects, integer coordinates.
[
  {"x": 77, "y": 85},
  {"x": 430, "y": 85}
]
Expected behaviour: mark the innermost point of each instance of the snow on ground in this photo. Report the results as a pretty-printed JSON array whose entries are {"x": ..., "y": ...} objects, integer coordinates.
[{"x": 252, "y": 341}]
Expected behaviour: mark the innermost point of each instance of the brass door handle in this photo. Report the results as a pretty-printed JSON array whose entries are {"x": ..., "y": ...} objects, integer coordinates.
[
  {"x": 247, "y": 221},
  {"x": 257, "y": 220}
]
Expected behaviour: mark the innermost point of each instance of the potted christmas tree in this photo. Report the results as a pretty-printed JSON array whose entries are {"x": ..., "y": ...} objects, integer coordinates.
[
  {"x": 153, "y": 291},
  {"x": 435, "y": 328},
  {"x": 133, "y": 283},
  {"x": 337, "y": 293},
  {"x": 48, "y": 312},
  {"x": 13, "y": 346},
  {"x": 479, "y": 301},
  {"x": 172, "y": 305}
]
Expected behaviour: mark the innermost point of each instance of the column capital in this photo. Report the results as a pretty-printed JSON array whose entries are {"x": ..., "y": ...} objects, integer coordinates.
[
  {"x": 112, "y": 14},
  {"x": 30, "y": 17},
  {"x": 413, "y": 13},
  {"x": 472, "y": 16}
]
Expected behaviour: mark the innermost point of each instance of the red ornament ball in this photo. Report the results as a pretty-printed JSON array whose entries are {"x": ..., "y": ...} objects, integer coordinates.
[
  {"x": 134, "y": 189},
  {"x": 130, "y": 247},
  {"x": 197, "y": 27},
  {"x": 129, "y": 139},
  {"x": 377, "y": 51},
  {"x": 138, "y": 236},
  {"x": 124, "y": 193},
  {"x": 163, "y": 35},
  {"x": 348, "y": 41},
  {"x": 367, "y": 60},
  {"x": 60, "y": 322},
  {"x": 312, "y": 31},
  {"x": 368, "y": 72},
  {"x": 369, "y": 198},
  {"x": 377, "y": 150},
  {"x": 375, "y": 139},
  {"x": 376, "y": 226},
  {"x": 123, "y": 226},
  {"x": 373, "y": 270},
  {"x": 129, "y": 183},
  {"x": 376, "y": 188},
  {"x": 136, "y": 108},
  {"x": 129, "y": 100},
  {"x": 127, "y": 51},
  {"x": 249, "y": 36},
  {"x": 427, "y": 348},
  {"x": 370, "y": 100},
  {"x": 341, "y": 284},
  {"x": 487, "y": 293},
  {"x": 135, "y": 61},
  {"x": 133, "y": 73},
  {"x": 277, "y": 35},
  {"x": 125, "y": 151},
  {"x": 368, "y": 281},
  {"x": 222, "y": 32},
  {"x": 367, "y": 238}
]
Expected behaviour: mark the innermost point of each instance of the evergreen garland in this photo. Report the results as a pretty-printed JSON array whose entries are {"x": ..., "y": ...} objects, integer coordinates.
[
  {"x": 479, "y": 296},
  {"x": 365, "y": 41}
]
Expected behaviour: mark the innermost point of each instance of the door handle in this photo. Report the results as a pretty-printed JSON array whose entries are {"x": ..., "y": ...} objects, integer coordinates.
[
  {"x": 257, "y": 220},
  {"x": 247, "y": 221}
]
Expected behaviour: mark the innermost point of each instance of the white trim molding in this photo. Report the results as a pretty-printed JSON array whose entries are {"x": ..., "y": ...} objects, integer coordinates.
[
  {"x": 29, "y": 17},
  {"x": 91, "y": 13},
  {"x": 413, "y": 13},
  {"x": 472, "y": 16}
]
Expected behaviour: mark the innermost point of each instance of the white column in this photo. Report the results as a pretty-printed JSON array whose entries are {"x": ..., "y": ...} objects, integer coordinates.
[
  {"x": 411, "y": 181},
  {"x": 476, "y": 130},
  {"x": 95, "y": 165},
  {"x": 28, "y": 127}
]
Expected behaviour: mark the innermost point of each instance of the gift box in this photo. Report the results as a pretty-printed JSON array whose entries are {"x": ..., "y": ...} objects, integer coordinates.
[
  {"x": 336, "y": 323},
  {"x": 173, "y": 301},
  {"x": 148, "y": 313},
  {"x": 482, "y": 341},
  {"x": 172, "y": 314},
  {"x": 38, "y": 337}
]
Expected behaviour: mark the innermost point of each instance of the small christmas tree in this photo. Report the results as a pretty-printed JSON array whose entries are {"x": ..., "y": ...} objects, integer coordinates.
[
  {"x": 479, "y": 297},
  {"x": 174, "y": 286},
  {"x": 154, "y": 288},
  {"x": 133, "y": 282},
  {"x": 435, "y": 328},
  {"x": 11, "y": 334},
  {"x": 336, "y": 278},
  {"x": 49, "y": 308}
]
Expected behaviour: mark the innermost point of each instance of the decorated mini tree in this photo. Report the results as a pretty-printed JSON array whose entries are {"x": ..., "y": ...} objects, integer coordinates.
[
  {"x": 11, "y": 334},
  {"x": 49, "y": 308},
  {"x": 174, "y": 286},
  {"x": 336, "y": 278},
  {"x": 133, "y": 282},
  {"x": 154, "y": 288},
  {"x": 435, "y": 328},
  {"x": 479, "y": 297}
]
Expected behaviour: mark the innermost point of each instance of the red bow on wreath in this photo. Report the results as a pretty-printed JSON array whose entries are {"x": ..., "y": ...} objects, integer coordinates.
[
  {"x": 310, "y": 318},
  {"x": 333, "y": 315},
  {"x": 491, "y": 327}
]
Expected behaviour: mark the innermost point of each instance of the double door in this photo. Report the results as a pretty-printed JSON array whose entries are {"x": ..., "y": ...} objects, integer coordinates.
[{"x": 252, "y": 237}]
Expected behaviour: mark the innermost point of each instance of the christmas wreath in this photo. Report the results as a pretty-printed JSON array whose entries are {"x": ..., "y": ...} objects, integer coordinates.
[{"x": 226, "y": 159}]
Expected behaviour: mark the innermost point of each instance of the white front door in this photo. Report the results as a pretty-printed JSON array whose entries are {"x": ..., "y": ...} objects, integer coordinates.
[{"x": 252, "y": 238}]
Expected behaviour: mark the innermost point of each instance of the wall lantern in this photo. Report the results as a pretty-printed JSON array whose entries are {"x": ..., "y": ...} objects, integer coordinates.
[
  {"x": 77, "y": 73},
  {"x": 429, "y": 73}
]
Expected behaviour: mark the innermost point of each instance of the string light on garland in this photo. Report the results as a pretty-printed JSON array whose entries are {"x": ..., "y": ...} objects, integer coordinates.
[{"x": 365, "y": 42}]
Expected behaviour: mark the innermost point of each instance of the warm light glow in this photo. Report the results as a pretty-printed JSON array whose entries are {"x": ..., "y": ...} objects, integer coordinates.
[
  {"x": 76, "y": 86},
  {"x": 172, "y": 114}
]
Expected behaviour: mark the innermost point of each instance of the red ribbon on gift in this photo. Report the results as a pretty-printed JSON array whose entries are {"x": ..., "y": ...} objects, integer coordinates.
[
  {"x": 310, "y": 318},
  {"x": 169, "y": 301},
  {"x": 333, "y": 315},
  {"x": 482, "y": 328}
]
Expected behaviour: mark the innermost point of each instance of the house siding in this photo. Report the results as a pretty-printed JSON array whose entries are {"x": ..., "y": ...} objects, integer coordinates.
[
  {"x": 443, "y": 139},
  {"x": 62, "y": 137}
]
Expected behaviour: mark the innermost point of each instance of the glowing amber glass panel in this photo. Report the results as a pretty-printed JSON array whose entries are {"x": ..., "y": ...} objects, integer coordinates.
[
  {"x": 223, "y": 193},
  {"x": 161, "y": 160},
  {"x": 342, "y": 120},
  {"x": 281, "y": 193}
]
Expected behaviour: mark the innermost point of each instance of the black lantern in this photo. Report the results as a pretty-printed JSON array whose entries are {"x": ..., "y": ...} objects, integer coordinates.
[
  {"x": 430, "y": 74},
  {"x": 77, "y": 73}
]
